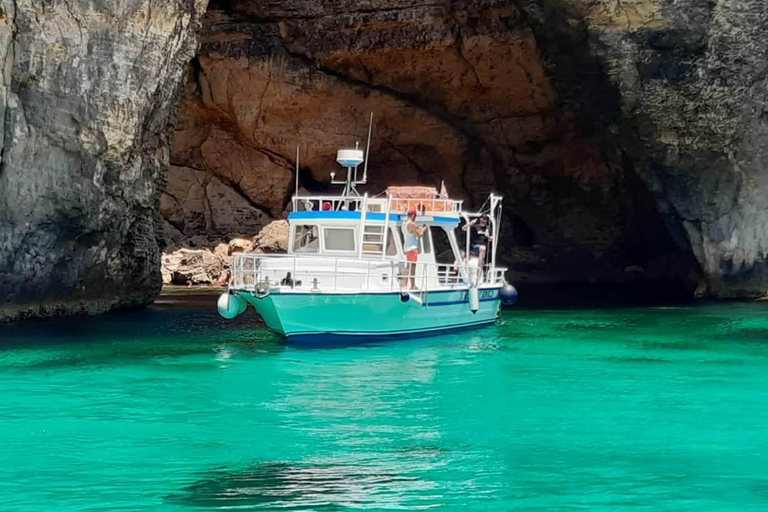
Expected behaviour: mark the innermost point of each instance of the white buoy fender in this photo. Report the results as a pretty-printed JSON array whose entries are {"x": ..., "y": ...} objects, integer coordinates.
[
  {"x": 406, "y": 297},
  {"x": 474, "y": 300},
  {"x": 230, "y": 305}
]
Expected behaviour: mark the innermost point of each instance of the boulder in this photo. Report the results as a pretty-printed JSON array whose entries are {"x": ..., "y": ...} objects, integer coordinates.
[
  {"x": 194, "y": 266},
  {"x": 240, "y": 245},
  {"x": 273, "y": 238}
]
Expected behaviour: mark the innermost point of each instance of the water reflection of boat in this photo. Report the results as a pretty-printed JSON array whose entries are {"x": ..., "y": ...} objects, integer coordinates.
[{"x": 346, "y": 275}]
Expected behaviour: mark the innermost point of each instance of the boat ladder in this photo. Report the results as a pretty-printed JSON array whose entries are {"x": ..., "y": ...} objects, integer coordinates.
[{"x": 373, "y": 239}]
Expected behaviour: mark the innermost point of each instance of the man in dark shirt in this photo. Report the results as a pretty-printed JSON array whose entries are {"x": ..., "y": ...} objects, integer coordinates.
[{"x": 479, "y": 231}]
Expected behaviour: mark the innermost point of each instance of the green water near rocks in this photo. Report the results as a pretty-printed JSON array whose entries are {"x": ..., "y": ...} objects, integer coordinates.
[{"x": 176, "y": 410}]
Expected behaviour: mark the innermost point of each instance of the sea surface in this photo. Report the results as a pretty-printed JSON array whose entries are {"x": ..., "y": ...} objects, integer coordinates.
[{"x": 174, "y": 409}]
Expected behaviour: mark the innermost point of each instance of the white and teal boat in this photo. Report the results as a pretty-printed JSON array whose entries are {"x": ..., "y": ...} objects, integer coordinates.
[{"x": 342, "y": 277}]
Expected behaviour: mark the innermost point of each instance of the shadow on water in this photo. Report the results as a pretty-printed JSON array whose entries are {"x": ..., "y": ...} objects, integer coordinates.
[
  {"x": 290, "y": 485},
  {"x": 133, "y": 337},
  {"x": 636, "y": 360}
]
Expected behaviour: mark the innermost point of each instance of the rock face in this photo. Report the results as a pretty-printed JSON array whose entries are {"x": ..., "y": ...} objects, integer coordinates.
[
  {"x": 198, "y": 203},
  {"x": 683, "y": 86},
  {"x": 88, "y": 96}
]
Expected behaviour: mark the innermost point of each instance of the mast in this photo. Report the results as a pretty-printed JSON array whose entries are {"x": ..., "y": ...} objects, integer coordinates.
[
  {"x": 367, "y": 150},
  {"x": 297, "y": 171},
  {"x": 495, "y": 220}
]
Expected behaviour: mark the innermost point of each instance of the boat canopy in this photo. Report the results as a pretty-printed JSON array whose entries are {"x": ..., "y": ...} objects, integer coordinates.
[{"x": 422, "y": 199}]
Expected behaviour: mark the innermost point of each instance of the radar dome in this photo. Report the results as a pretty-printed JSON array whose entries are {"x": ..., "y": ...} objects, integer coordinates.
[{"x": 350, "y": 157}]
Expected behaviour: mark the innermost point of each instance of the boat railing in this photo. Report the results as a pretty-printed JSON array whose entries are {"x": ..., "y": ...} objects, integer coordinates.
[
  {"x": 330, "y": 274},
  {"x": 426, "y": 206},
  {"x": 327, "y": 203}
]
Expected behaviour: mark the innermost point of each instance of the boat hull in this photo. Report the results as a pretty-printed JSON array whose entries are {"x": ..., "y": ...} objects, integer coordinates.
[{"x": 307, "y": 317}]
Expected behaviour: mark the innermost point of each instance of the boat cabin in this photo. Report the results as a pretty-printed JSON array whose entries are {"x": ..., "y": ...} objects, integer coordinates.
[{"x": 371, "y": 228}]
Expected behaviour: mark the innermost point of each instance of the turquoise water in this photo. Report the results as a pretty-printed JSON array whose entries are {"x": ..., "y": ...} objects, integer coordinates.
[{"x": 176, "y": 410}]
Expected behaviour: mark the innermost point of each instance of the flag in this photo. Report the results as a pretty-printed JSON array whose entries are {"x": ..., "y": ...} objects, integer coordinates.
[{"x": 443, "y": 191}]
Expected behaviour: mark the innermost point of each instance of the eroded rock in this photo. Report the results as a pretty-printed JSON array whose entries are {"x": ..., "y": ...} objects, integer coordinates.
[
  {"x": 683, "y": 85},
  {"x": 88, "y": 98},
  {"x": 197, "y": 202},
  {"x": 273, "y": 238},
  {"x": 624, "y": 135},
  {"x": 195, "y": 267}
]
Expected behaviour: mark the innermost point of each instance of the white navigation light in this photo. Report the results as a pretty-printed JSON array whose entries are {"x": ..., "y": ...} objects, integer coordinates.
[{"x": 350, "y": 157}]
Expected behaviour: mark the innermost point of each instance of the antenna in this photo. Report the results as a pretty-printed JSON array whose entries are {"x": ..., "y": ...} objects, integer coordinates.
[
  {"x": 297, "y": 170},
  {"x": 357, "y": 147},
  {"x": 367, "y": 150}
]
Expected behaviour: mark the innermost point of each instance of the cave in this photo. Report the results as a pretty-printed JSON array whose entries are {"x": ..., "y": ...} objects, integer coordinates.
[
  {"x": 460, "y": 94},
  {"x": 628, "y": 140}
]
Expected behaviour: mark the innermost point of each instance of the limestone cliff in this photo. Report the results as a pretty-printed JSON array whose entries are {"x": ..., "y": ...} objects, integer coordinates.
[
  {"x": 683, "y": 85},
  {"x": 87, "y": 100}
]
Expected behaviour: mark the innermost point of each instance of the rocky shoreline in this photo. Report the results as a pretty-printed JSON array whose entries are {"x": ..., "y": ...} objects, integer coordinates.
[{"x": 192, "y": 265}]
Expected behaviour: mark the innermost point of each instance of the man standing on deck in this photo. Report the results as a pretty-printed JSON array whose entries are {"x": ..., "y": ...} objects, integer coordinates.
[
  {"x": 411, "y": 235},
  {"x": 479, "y": 233}
]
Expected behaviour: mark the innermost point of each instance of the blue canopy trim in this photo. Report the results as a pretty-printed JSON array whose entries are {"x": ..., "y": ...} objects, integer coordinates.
[{"x": 394, "y": 217}]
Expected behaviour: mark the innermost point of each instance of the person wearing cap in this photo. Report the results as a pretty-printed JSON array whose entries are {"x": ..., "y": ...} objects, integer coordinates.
[{"x": 411, "y": 235}]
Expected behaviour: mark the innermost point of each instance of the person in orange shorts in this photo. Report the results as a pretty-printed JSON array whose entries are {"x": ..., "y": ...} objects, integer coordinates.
[{"x": 411, "y": 235}]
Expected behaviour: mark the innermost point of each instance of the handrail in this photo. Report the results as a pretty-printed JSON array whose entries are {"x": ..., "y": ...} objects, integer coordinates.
[
  {"x": 386, "y": 229},
  {"x": 282, "y": 255},
  {"x": 248, "y": 273},
  {"x": 436, "y": 205},
  {"x": 361, "y": 227},
  {"x": 316, "y": 202}
]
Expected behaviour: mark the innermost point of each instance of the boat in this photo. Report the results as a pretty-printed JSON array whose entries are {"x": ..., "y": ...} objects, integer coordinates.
[{"x": 345, "y": 275}]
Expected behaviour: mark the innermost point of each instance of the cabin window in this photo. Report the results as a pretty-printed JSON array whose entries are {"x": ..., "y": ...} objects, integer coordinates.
[
  {"x": 442, "y": 242},
  {"x": 339, "y": 239},
  {"x": 306, "y": 239}
]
